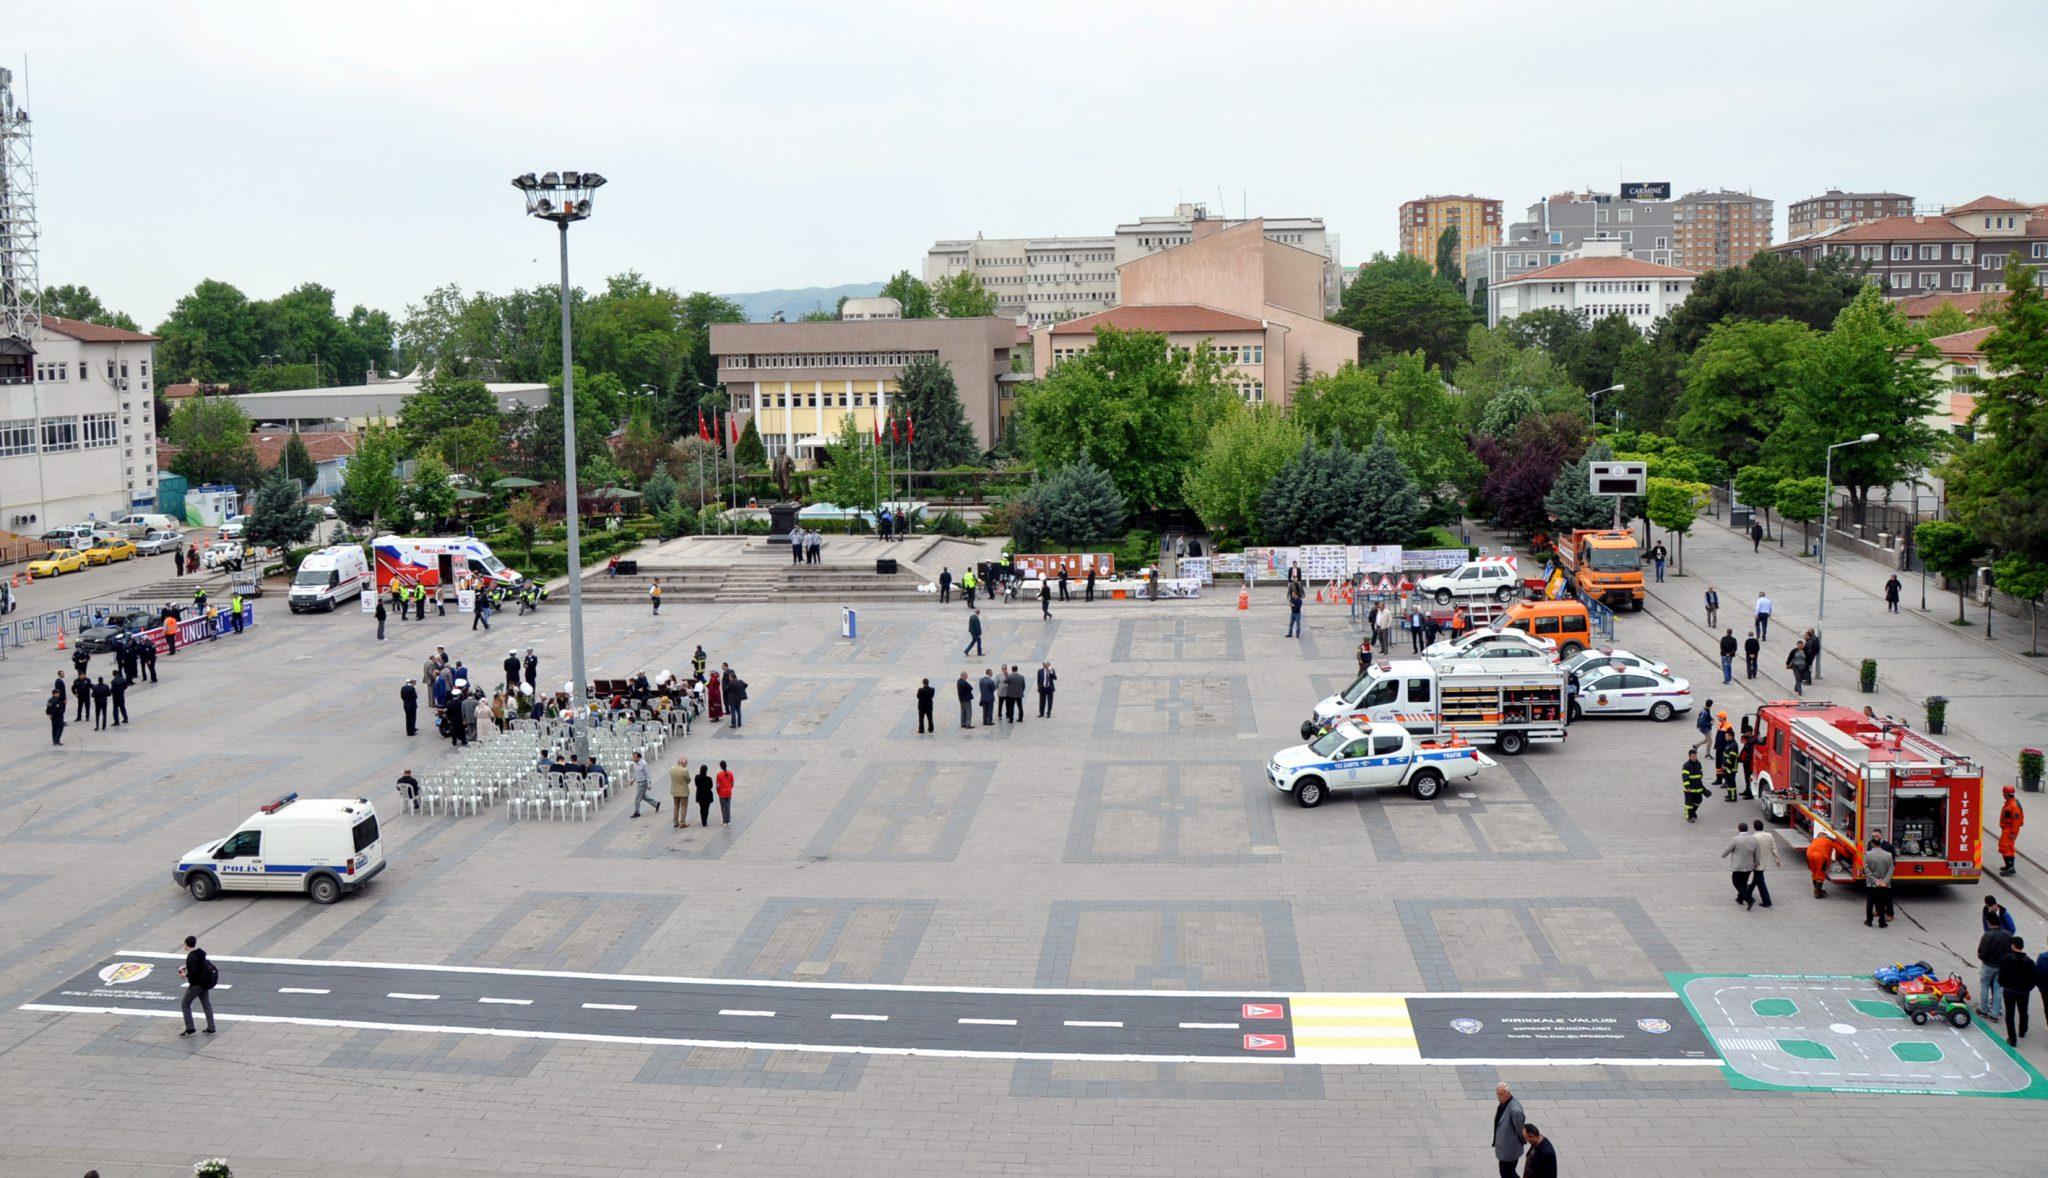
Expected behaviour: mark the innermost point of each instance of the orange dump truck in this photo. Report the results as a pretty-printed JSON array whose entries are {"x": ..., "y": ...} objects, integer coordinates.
[{"x": 1606, "y": 564}]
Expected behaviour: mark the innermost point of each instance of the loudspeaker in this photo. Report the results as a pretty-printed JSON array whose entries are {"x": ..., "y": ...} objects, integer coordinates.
[{"x": 885, "y": 565}]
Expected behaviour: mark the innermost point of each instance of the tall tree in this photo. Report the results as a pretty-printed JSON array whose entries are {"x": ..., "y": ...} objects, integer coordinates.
[
  {"x": 852, "y": 469},
  {"x": 2025, "y": 579},
  {"x": 963, "y": 297},
  {"x": 213, "y": 334},
  {"x": 431, "y": 494},
  {"x": 1399, "y": 304},
  {"x": 927, "y": 396},
  {"x": 1522, "y": 467},
  {"x": 1592, "y": 358},
  {"x": 1673, "y": 504},
  {"x": 296, "y": 463},
  {"x": 78, "y": 302},
  {"x": 1389, "y": 504},
  {"x": 1242, "y": 454},
  {"x": 1734, "y": 385},
  {"x": 750, "y": 454},
  {"x": 212, "y": 436},
  {"x": 1801, "y": 501},
  {"x": 1553, "y": 329},
  {"x": 280, "y": 518},
  {"x": 912, "y": 293},
  {"x": 1133, "y": 404},
  {"x": 1448, "y": 265},
  {"x": 1951, "y": 550},
  {"x": 1499, "y": 359},
  {"x": 1571, "y": 502},
  {"x": 443, "y": 402},
  {"x": 1998, "y": 485},
  {"x": 370, "y": 486},
  {"x": 1406, "y": 398},
  {"x": 1767, "y": 287},
  {"x": 1871, "y": 373},
  {"x": 1317, "y": 498},
  {"x": 1757, "y": 486},
  {"x": 1074, "y": 506}
]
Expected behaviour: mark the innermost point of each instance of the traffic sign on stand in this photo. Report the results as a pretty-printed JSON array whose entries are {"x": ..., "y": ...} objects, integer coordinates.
[{"x": 1264, "y": 1010}]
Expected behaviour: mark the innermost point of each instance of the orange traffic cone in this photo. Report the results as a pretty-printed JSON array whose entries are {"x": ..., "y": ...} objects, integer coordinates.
[
  {"x": 1319, "y": 597},
  {"x": 60, "y": 636},
  {"x": 1244, "y": 597}
]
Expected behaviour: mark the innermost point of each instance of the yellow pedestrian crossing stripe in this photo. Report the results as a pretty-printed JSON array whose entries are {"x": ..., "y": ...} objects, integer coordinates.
[{"x": 1353, "y": 1029}]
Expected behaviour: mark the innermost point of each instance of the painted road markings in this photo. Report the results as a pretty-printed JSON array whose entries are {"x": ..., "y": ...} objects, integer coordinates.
[
  {"x": 607, "y": 1006},
  {"x": 1208, "y": 1026},
  {"x": 414, "y": 997},
  {"x": 748, "y": 1013},
  {"x": 1265, "y": 1042},
  {"x": 1353, "y": 1029},
  {"x": 301, "y": 990},
  {"x": 987, "y": 1022},
  {"x": 863, "y": 1018},
  {"x": 507, "y": 1001},
  {"x": 1086, "y": 1023},
  {"x": 1262, "y": 1010}
]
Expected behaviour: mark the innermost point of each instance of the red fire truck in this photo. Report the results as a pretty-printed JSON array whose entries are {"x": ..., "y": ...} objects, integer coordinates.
[{"x": 1834, "y": 772}]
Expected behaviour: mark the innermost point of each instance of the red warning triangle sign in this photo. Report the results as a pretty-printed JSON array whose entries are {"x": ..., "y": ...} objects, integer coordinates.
[
  {"x": 1265, "y": 1042},
  {"x": 1264, "y": 1010}
]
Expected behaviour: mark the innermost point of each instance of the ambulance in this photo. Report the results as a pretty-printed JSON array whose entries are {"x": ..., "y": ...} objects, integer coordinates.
[
  {"x": 439, "y": 562},
  {"x": 1508, "y": 707},
  {"x": 324, "y": 848}
]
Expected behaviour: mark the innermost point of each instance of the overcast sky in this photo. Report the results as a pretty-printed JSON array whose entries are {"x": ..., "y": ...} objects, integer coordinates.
[{"x": 368, "y": 146}]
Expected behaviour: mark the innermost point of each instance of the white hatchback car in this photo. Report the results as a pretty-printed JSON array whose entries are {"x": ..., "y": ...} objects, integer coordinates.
[
  {"x": 1631, "y": 691},
  {"x": 1496, "y": 648}
]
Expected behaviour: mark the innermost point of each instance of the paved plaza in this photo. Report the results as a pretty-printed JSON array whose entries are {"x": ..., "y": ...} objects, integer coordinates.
[{"x": 1194, "y": 965}]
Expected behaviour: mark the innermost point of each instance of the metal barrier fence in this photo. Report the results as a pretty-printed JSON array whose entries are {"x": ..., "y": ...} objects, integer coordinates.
[{"x": 45, "y": 627}]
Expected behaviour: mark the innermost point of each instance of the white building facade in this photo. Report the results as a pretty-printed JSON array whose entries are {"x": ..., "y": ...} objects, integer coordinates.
[
  {"x": 1598, "y": 281},
  {"x": 78, "y": 438}
]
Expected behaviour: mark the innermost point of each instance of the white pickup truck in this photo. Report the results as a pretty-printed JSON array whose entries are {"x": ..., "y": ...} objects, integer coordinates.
[{"x": 1373, "y": 756}]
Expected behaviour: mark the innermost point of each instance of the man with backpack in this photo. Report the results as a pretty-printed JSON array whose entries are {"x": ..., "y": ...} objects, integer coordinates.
[{"x": 200, "y": 978}]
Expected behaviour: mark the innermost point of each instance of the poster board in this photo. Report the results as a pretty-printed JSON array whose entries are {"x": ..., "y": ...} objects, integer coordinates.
[
  {"x": 1077, "y": 564},
  {"x": 1324, "y": 562},
  {"x": 1196, "y": 568}
]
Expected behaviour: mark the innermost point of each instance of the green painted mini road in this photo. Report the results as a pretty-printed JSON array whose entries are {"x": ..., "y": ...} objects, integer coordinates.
[{"x": 1824, "y": 1033}]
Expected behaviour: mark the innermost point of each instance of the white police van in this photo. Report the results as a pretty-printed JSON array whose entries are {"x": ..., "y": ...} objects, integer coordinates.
[
  {"x": 322, "y": 847},
  {"x": 1374, "y": 756}
]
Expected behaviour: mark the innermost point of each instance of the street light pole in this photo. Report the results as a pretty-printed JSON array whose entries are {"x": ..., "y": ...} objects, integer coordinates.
[
  {"x": 563, "y": 198},
  {"x": 1827, "y": 501}
]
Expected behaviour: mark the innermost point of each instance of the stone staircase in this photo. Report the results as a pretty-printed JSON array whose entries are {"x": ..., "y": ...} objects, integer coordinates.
[{"x": 751, "y": 581}]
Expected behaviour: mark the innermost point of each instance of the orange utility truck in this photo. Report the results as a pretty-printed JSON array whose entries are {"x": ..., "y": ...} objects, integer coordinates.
[{"x": 1606, "y": 564}]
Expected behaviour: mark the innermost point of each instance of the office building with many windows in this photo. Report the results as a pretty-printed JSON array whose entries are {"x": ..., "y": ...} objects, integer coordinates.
[
  {"x": 1597, "y": 280},
  {"x": 1965, "y": 249},
  {"x": 1556, "y": 226},
  {"x": 1818, "y": 214},
  {"x": 1713, "y": 230},
  {"x": 78, "y": 428},
  {"x": 1426, "y": 219}
]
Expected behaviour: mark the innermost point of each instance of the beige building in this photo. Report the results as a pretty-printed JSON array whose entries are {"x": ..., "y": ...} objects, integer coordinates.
[
  {"x": 1423, "y": 222},
  {"x": 1216, "y": 285},
  {"x": 1041, "y": 280},
  {"x": 1962, "y": 371},
  {"x": 1834, "y": 208},
  {"x": 1714, "y": 230},
  {"x": 1252, "y": 349},
  {"x": 798, "y": 381}
]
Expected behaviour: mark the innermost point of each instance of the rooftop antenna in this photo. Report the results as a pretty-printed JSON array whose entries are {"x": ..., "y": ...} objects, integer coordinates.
[{"x": 21, "y": 292}]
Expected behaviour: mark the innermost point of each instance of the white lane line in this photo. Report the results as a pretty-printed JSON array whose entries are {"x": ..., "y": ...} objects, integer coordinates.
[
  {"x": 413, "y": 997},
  {"x": 866, "y": 1018},
  {"x": 988, "y": 1022},
  {"x": 748, "y": 1013},
  {"x": 1084, "y": 1023},
  {"x": 508, "y": 1001},
  {"x": 300, "y": 990},
  {"x": 1208, "y": 1026},
  {"x": 607, "y": 1006}
]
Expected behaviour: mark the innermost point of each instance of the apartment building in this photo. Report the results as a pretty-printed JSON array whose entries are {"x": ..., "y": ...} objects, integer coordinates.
[
  {"x": 1040, "y": 280},
  {"x": 1598, "y": 279},
  {"x": 1965, "y": 249},
  {"x": 1818, "y": 214},
  {"x": 1425, "y": 220},
  {"x": 1556, "y": 226},
  {"x": 77, "y": 427},
  {"x": 798, "y": 381},
  {"x": 1714, "y": 230}
]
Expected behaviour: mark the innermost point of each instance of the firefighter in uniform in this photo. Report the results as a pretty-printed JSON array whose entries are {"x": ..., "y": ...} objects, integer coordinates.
[
  {"x": 1695, "y": 784},
  {"x": 1724, "y": 756},
  {"x": 2010, "y": 819}
]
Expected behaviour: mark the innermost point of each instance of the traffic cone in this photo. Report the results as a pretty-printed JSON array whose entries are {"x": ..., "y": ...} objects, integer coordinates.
[
  {"x": 1319, "y": 597},
  {"x": 1244, "y": 597},
  {"x": 60, "y": 636}
]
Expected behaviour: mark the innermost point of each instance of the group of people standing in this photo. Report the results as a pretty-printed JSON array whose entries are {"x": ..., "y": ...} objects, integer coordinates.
[
  {"x": 104, "y": 700},
  {"x": 1004, "y": 690},
  {"x": 707, "y": 788},
  {"x": 2007, "y": 977}
]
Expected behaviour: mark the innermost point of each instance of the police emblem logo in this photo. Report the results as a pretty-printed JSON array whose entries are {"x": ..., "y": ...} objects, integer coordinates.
[
  {"x": 125, "y": 971},
  {"x": 1655, "y": 1026},
  {"x": 1466, "y": 1026}
]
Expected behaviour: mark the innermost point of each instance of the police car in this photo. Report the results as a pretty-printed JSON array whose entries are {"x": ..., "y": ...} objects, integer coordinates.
[
  {"x": 1375, "y": 756},
  {"x": 323, "y": 848},
  {"x": 1630, "y": 691}
]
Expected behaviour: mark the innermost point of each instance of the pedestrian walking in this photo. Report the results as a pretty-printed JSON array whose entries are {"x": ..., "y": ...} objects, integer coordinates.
[
  {"x": 1763, "y": 616},
  {"x": 925, "y": 695},
  {"x": 1766, "y": 843},
  {"x": 1891, "y": 593},
  {"x": 380, "y": 617},
  {"x": 945, "y": 585},
  {"x": 1045, "y": 599},
  {"x": 409, "y": 699},
  {"x": 2017, "y": 980},
  {"x": 724, "y": 794},
  {"x": 1508, "y": 1122},
  {"x": 1692, "y": 782},
  {"x": 2010, "y": 818},
  {"x": 1741, "y": 854},
  {"x": 679, "y": 793},
  {"x": 1658, "y": 555},
  {"x": 1877, "y": 883},
  {"x": 1542, "y": 1158},
  {"x": 965, "y": 689},
  {"x": 1728, "y": 647},
  {"x": 1756, "y": 536},
  {"x": 654, "y": 597},
  {"x": 1048, "y": 683},
  {"x": 1795, "y": 662},
  {"x": 973, "y": 631},
  {"x": 201, "y": 976},
  {"x": 1704, "y": 720},
  {"x": 480, "y": 611},
  {"x": 1294, "y": 600},
  {"x": 1994, "y": 944},
  {"x": 1713, "y": 603},
  {"x": 1751, "y": 648},
  {"x": 1812, "y": 644},
  {"x": 988, "y": 698},
  {"x": 54, "y": 709},
  {"x": 636, "y": 772}
]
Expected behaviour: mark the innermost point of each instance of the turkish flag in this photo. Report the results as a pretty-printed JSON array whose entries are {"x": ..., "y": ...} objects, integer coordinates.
[
  {"x": 703, "y": 431},
  {"x": 878, "y": 431},
  {"x": 895, "y": 429},
  {"x": 731, "y": 421},
  {"x": 910, "y": 426}
]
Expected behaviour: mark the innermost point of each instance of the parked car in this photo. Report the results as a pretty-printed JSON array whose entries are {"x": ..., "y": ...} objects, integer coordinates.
[
  {"x": 233, "y": 528},
  {"x": 1637, "y": 691},
  {"x": 1494, "y": 645},
  {"x": 157, "y": 542},
  {"x": 1593, "y": 660},
  {"x": 57, "y": 563},
  {"x": 108, "y": 549},
  {"x": 100, "y": 639},
  {"x": 69, "y": 536}
]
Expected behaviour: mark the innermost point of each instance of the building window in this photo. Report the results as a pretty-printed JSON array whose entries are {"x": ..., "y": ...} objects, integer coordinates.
[
  {"x": 1962, "y": 252},
  {"x": 100, "y": 431},
  {"x": 60, "y": 433},
  {"x": 1930, "y": 253},
  {"x": 17, "y": 437},
  {"x": 1930, "y": 280},
  {"x": 1960, "y": 280},
  {"x": 1993, "y": 262},
  {"x": 2041, "y": 249},
  {"x": 1902, "y": 253}
]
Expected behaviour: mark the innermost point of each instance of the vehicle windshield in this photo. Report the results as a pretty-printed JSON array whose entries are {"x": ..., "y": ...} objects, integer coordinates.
[
  {"x": 313, "y": 576},
  {"x": 1360, "y": 686},
  {"x": 1613, "y": 560},
  {"x": 492, "y": 565},
  {"x": 1331, "y": 741}
]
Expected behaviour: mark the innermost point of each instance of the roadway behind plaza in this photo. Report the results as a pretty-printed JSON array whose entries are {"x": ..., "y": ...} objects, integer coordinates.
[{"x": 1130, "y": 843}]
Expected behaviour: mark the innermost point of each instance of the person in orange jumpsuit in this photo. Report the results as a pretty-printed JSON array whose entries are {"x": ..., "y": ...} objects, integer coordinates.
[
  {"x": 1818, "y": 853},
  {"x": 2010, "y": 819}
]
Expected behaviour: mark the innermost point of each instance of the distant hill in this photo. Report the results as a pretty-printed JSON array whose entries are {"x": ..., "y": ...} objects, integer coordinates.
[{"x": 761, "y": 305}]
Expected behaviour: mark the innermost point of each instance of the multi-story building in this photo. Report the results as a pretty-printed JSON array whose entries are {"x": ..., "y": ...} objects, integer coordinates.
[
  {"x": 1557, "y": 225},
  {"x": 1965, "y": 249},
  {"x": 78, "y": 434},
  {"x": 798, "y": 381},
  {"x": 1257, "y": 299},
  {"x": 1039, "y": 280},
  {"x": 1599, "y": 279},
  {"x": 1713, "y": 230},
  {"x": 1424, "y": 222},
  {"x": 1818, "y": 214}
]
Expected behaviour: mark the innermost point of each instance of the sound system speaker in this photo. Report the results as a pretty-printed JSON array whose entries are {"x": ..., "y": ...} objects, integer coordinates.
[{"x": 886, "y": 565}]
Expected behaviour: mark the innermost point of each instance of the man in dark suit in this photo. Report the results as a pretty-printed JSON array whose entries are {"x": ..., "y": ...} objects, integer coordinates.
[
  {"x": 409, "y": 698},
  {"x": 988, "y": 698},
  {"x": 1015, "y": 685},
  {"x": 924, "y": 707},
  {"x": 966, "y": 691},
  {"x": 1047, "y": 684}
]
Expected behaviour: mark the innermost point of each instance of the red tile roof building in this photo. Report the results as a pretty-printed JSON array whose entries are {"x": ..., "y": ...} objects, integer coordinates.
[{"x": 1963, "y": 250}]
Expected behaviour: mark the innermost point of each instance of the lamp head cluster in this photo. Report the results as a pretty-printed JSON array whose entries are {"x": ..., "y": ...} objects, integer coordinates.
[{"x": 560, "y": 197}]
